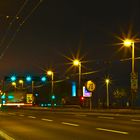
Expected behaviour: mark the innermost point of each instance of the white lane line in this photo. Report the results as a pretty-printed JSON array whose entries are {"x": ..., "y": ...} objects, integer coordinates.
[
  {"x": 48, "y": 120},
  {"x": 31, "y": 117},
  {"x": 21, "y": 115},
  {"x": 72, "y": 124},
  {"x": 111, "y": 118},
  {"x": 134, "y": 120},
  {"x": 5, "y": 136},
  {"x": 81, "y": 115},
  {"x": 114, "y": 131},
  {"x": 11, "y": 113}
]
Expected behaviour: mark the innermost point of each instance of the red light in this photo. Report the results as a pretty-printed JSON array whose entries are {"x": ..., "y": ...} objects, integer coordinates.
[{"x": 82, "y": 98}]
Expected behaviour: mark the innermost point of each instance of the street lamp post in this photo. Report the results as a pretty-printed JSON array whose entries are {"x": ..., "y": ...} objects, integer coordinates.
[
  {"x": 21, "y": 82},
  {"x": 76, "y": 62},
  {"x": 52, "y": 80},
  {"x": 130, "y": 43},
  {"x": 134, "y": 77},
  {"x": 14, "y": 85},
  {"x": 50, "y": 73},
  {"x": 107, "y": 92}
]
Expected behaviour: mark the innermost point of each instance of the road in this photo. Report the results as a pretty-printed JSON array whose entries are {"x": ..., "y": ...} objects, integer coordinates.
[{"x": 53, "y": 125}]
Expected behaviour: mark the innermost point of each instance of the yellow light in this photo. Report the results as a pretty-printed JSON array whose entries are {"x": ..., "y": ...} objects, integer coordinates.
[
  {"x": 21, "y": 81},
  {"x": 13, "y": 83},
  {"x": 49, "y": 72},
  {"x": 127, "y": 42},
  {"x": 76, "y": 62},
  {"x": 107, "y": 81}
]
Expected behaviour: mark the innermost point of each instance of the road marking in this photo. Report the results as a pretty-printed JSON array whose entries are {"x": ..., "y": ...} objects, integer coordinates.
[
  {"x": 5, "y": 136},
  {"x": 31, "y": 117},
  {"x": 21, "y": 115},
  {"x": 11, "y": 113},
  {"x": 43, "y": 119},
  {"x": 111, "y": 118},
  {"x": 114, "y": 131},
  {"x": 134, "y": 120},
  {"x": 72, "y": 124},
  {"x": 81, "y": 115}
]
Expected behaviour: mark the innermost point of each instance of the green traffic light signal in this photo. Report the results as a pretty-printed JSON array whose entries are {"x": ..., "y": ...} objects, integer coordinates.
[
  {"x": 53, "y": 97},
  {"x": 13, "y": 78}
]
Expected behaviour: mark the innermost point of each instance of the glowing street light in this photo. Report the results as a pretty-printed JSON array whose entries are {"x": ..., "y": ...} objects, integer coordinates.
[
  {"x": 107, "y": 81},
  {"x": 134, "y": 77},
  {"x": 14, "y": 84},
  {"x": 130, "y": 43},
  {"x": 76, "y": 62},
  {"x": 50, "y": 73},
  {"x": 127, "y": 42},
  {"x": 21, "y": 82}
]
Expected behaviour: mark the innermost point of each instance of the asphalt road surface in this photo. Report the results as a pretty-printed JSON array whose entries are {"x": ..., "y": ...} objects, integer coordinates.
[{"x": 53, "y": 125}]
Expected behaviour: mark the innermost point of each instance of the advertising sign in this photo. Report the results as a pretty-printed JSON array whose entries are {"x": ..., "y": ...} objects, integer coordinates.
[
  {"x": 29, "y": 98},
  {"x": 86, "y": 93}
]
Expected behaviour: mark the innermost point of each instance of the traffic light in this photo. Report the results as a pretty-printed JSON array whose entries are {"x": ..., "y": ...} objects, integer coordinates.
[
  {"x": 82, "y": 98},
  {"x": 53, "y": 97},
  {"x": 28, "y": 78},
  {"x": 43, "y": 78},
  {"x": 13, "y": 78}
]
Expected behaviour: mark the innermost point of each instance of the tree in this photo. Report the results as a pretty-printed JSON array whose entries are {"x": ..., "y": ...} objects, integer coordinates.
[{"x": 120, "y": 95}]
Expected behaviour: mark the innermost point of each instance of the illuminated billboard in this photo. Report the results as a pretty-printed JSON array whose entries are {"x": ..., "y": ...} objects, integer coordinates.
[{"x": 86, "y": 93}]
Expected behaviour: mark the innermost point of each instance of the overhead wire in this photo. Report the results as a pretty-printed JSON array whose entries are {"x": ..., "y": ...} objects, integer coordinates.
[
  {"x": 19, "y": 27},
  {"x": 11, "y": 23}
]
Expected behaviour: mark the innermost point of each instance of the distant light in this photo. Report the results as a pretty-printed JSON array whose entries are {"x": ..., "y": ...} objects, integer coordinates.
[
  {"x": 10, "y": 97},
  {"x": 76, "y": 62},
  {"x": 73, "y": 89},
  {"x": 3, "y": 102},
  {"x": 21, "y": 81},
  {"x": 13, "y": 78},
  {"x": 14, "y": 84},
  {"x": 82, "y": 98},
  {"x": 3, "y": 97},
  {"x": 107, "y": 81},
  {"x": 127, "y": 42},
  {"x": 50, "y": 72},
  {"x": 36, "y": 94},
  {"x": 53, "y": 97},
  {"x": 28, "y": 78},
  {"x": 43, "y": 79},
  {"x": 49, "y": 104}
]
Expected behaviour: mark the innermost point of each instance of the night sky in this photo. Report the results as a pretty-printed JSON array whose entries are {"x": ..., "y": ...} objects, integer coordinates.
[{"x": 55, "y": 29}]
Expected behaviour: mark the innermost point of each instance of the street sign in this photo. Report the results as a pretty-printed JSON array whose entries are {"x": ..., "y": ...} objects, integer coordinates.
[{"x": 90, "y": 86}]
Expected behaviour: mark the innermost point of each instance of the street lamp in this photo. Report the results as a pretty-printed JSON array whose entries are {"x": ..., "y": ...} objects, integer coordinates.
[
  {"x": 76, "y": 62},
  {"x": 21, "y": 82},
  {"x": 14, "y": 85},
  {"x": 134, "y": 76},
  {"x": 130, "y": 43},
  {"x": 50, "y": 73},
  {"x": 107, "y": 81}
]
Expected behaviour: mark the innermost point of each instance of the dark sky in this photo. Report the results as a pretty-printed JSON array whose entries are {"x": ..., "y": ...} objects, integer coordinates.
[{"x": 64, "y": 27}]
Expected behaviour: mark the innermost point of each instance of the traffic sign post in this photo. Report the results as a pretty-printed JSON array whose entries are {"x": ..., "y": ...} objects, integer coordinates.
[{"x": 90, "y": 86}]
